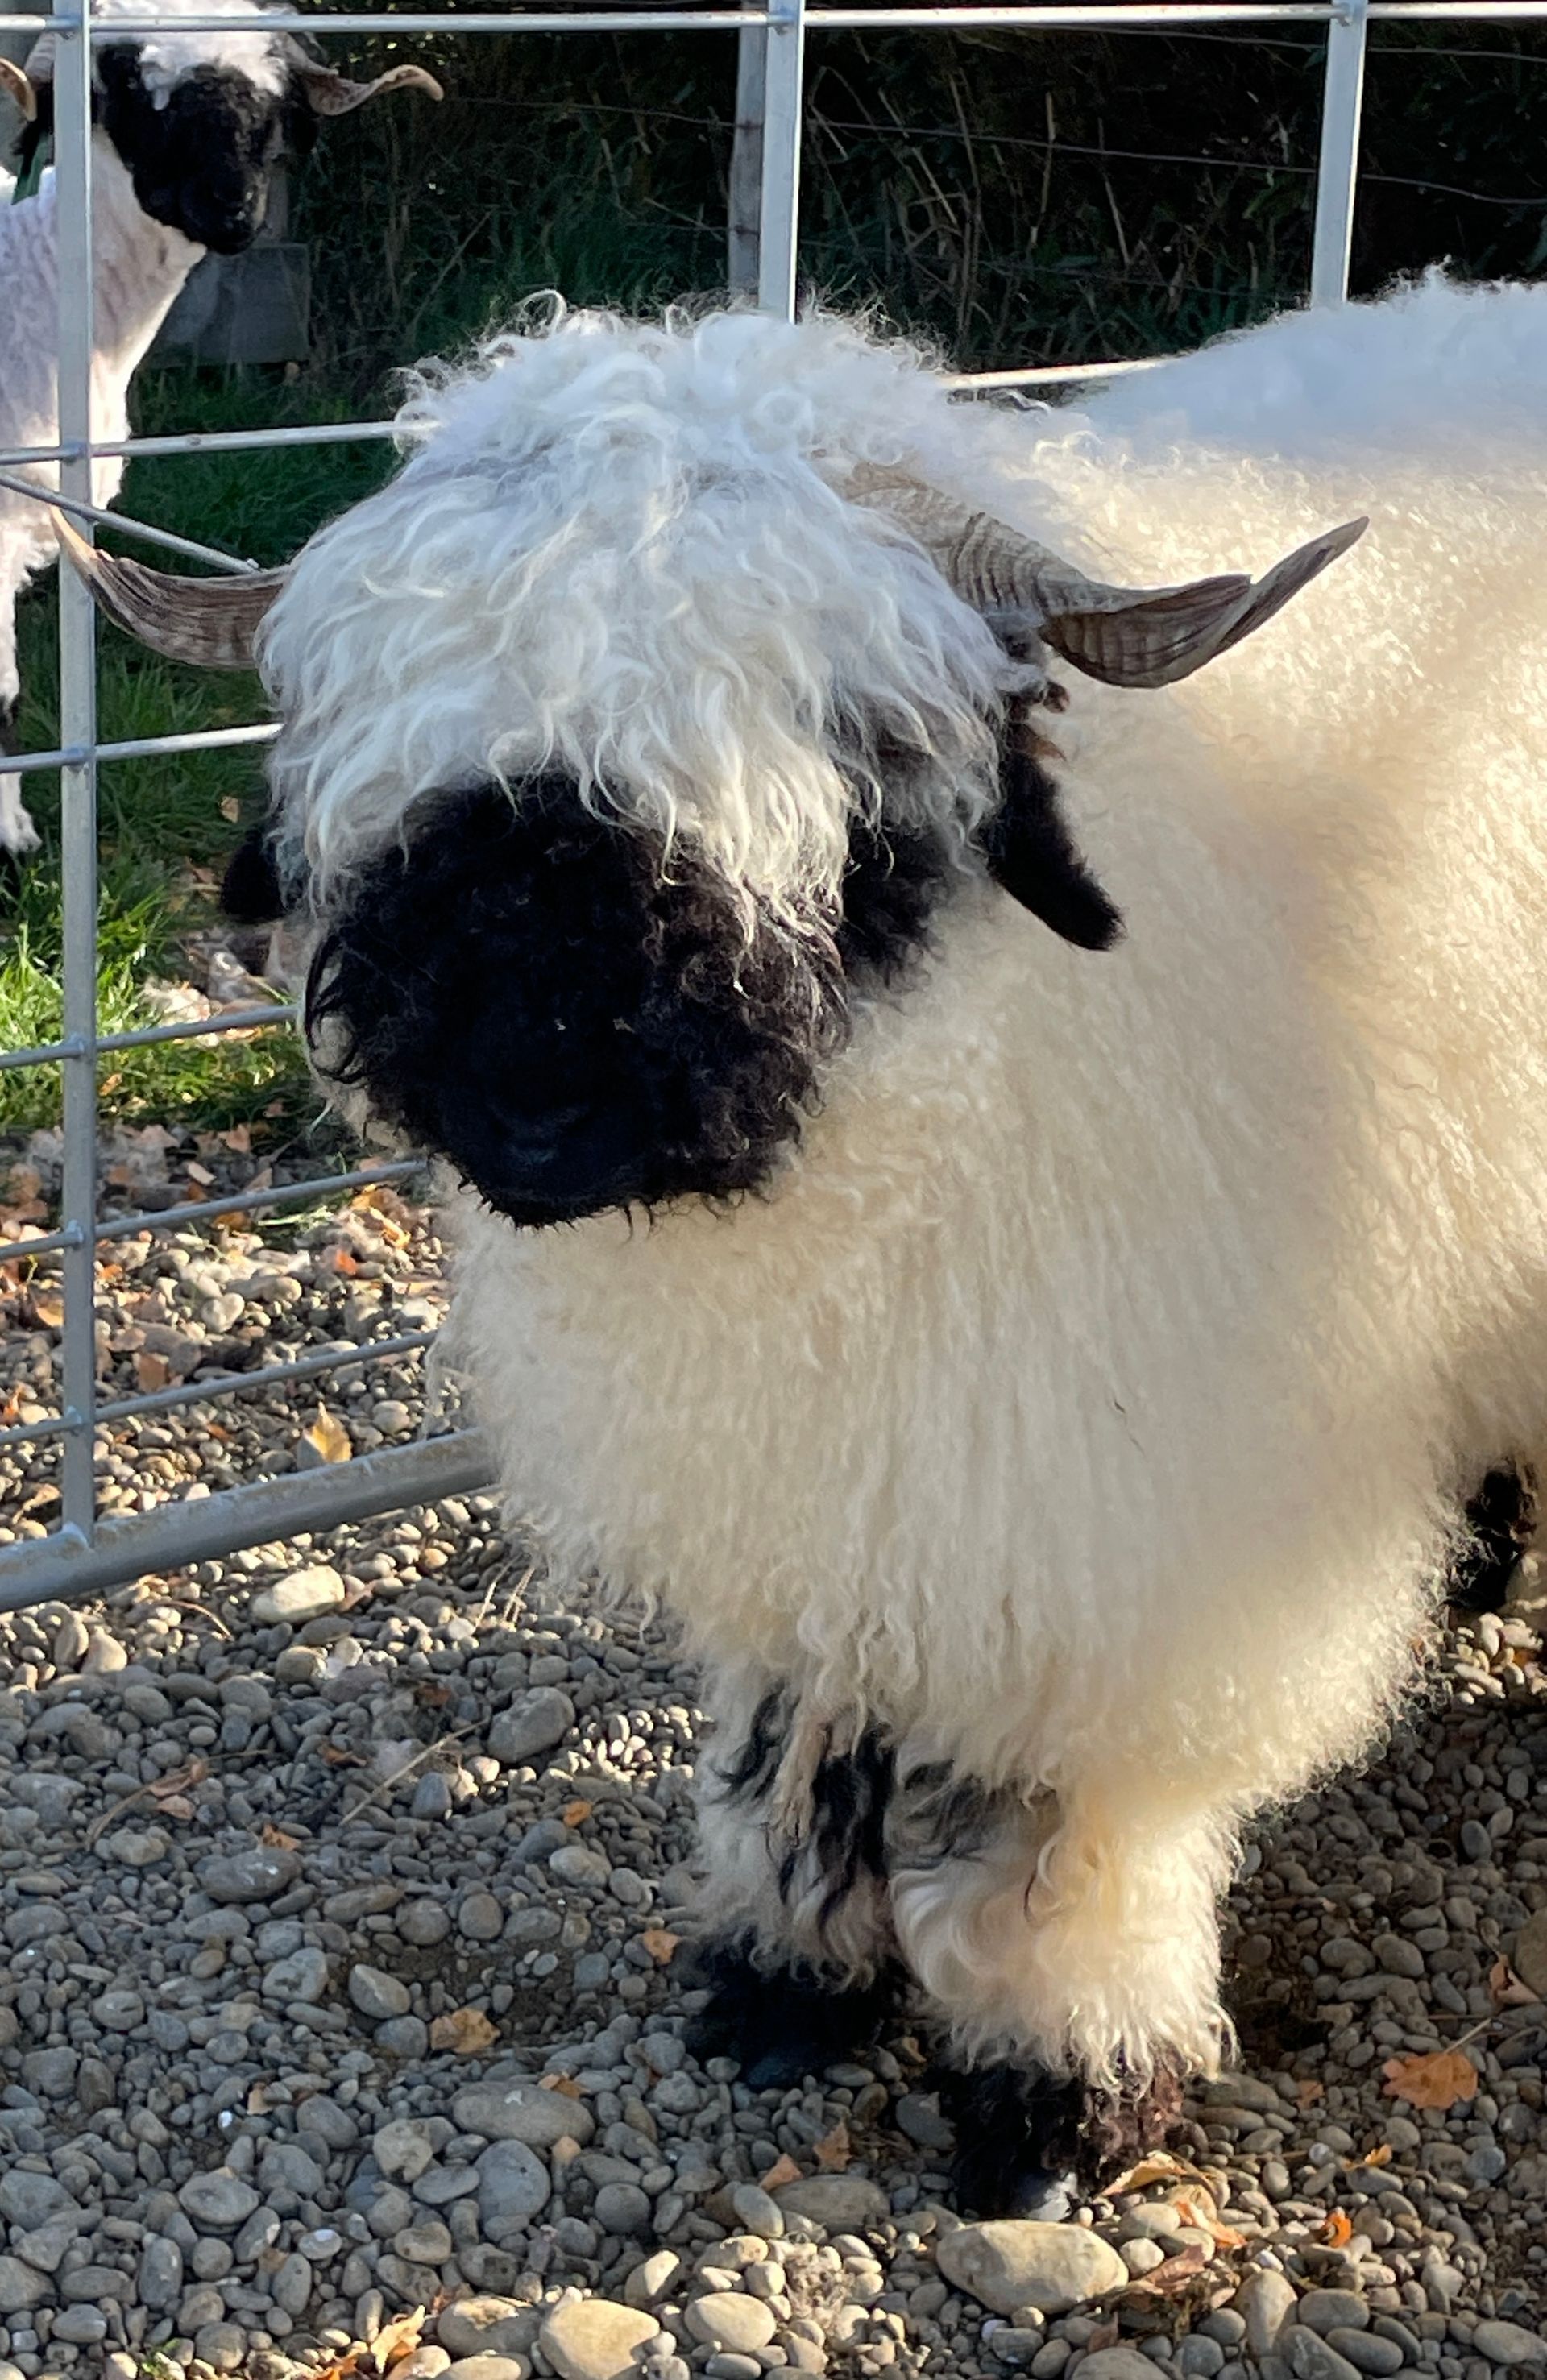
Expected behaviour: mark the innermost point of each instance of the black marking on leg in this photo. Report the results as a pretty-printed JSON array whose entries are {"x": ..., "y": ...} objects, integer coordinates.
[
  {"x": 1019, "y": 2134},
  {"x": 1502, "y": 1519},
  {"x": 781, "y": 2023},
  {"x": 11, "y": 867}
]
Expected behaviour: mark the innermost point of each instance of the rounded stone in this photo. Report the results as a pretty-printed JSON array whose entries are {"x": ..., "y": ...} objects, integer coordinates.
[
  {"x": 423, "y": 1923},
  {"x": 487, "y": 2326},
  {"x": 81, "y": 2325},
  {"x": 304, "y": 1594},
  {"x": 1506, "y": 2343},
  {"x": 522, "y": 2111},
  {"x": 1119, "y": 2363},
  {"x": 1265, "y": 2301},
  {"x": 1053, "y": 2266},
  {"x": 480, "y": 1917},
  {"x": 378, "y": 1995},
  {"x": 20, "y": 2288},
  {"x": 1309, "y": 2356},
  {"x": 403, "y": 2150},
  {"x": 217, "y": 2200},
  {"x": 1328, "y": 2310},
  {"x": 653, "y": 2279},
  {"x": 513, "y": 2183},
  {"x": 1365, "y": 2352},
  {"x": 533, "y": 1724},
  {"x": 727, "y": 2319},
  {"x": 160, "y": 2275},
  {"x": 756, "y": 2212},
  {"x": 839, "y": 2202},
  {"x": 622, "y": 2209},
  {"x": 595, "y": 2339},
  {"x": 260, "y": 1873},
  {"x": 487, "y": 2367}
]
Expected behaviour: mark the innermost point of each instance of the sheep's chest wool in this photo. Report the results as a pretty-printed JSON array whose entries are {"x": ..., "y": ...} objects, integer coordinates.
[{"x": 1042, "y": 1369}]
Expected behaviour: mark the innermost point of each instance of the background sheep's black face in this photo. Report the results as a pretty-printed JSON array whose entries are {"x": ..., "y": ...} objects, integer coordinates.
[
  {"x": 201, "y": 162},
  {"x": 526, "y": 991}
]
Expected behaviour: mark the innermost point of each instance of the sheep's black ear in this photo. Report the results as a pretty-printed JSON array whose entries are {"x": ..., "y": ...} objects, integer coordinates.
[
  {"x": 1033, "y": 855},
  {"x": 250, "y": 889}
]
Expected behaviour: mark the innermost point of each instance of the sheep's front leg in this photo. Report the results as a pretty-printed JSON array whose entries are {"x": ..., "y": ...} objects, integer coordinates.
[
  {"x": 797, "y": 1957},
  {"x": 16, "y": 831},
  {"x": 1070, "y": 1939}
]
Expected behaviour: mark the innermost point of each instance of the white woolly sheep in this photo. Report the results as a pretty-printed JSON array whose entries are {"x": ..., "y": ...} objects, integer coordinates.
[
  {"x": 188, "y": 127},
  {"x": 1043, "y": 1382}
]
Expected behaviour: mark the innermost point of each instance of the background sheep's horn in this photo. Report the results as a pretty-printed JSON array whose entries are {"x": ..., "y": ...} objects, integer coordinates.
[
  {"x": 14, "y": 82},
  {"x": 1125, "y": 635},
  {"x": 209, "y": 621},
  {"x": 334, "y": 94}
]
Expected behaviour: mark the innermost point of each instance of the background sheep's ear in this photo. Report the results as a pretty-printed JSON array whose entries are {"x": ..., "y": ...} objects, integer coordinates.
[
  {"x": 16, "y": 86},
  {"x": 330, "y": 94},
  {"x": 1031, "y": 853}
]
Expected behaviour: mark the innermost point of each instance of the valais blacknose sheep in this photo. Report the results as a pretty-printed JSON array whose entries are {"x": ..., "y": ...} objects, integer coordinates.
[
  {"x": 1041, "y": 1375},
  {"x": 187, "y": 130}
]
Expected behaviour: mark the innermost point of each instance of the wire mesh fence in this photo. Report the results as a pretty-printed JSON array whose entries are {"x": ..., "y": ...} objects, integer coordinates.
[{"x": 89, "y": 1548}]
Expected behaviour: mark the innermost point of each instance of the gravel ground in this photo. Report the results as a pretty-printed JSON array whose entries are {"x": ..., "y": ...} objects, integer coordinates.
[{"x": 339, "y": 1883}]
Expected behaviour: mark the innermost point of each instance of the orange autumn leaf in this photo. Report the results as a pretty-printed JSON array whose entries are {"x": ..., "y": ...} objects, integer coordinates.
[
  {"x": 1336, "y": 2231},
  {"x": 660, "y": 1943},
  {"x": 345, "y": 1263},
  {"x": 832, "y": 2151},
  {"x": 1220, "y": 2233},
  {"x": 564, "y": 2084},
  {"x": 575, "y": 1813},
  {"x": 467, "y": 2031},
  {"x": 782, "y": 2170},
  {"x": 1443, "y": 2079},
  {"x": 330, "y": 1438},
  {"x": 1382, "y": 2154},
  {"x": 151, "y": 1372}
]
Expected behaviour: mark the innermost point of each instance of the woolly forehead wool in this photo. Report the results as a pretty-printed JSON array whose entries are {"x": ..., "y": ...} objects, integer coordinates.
[
  {"x": 168, "y": 56},
  {"x": 621, "y": 552}
]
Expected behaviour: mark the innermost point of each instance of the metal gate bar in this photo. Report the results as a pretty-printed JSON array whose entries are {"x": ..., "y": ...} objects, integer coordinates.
[{"x": 88, "y": 1552}]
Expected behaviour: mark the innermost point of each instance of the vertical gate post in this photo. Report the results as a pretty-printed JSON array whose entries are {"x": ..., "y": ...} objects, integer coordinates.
[
  {"x": 784, "y": 83},
  {"x": 1337, "y": 168},
  {"x": 746, "y": 164},
  {"x": 77, "y": 726}
]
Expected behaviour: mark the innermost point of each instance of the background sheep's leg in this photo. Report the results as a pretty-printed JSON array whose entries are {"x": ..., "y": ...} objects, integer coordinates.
[
  {"x": 16, "y": 831},
  {"x": 791, "y": 1827}
]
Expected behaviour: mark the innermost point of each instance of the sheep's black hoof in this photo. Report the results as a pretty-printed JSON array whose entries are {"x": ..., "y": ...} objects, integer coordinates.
[
  {"x": 780, "y": 2023},
  {"x": 1019, "y": 2134},
  {"x": 1502, "y": 1518}
]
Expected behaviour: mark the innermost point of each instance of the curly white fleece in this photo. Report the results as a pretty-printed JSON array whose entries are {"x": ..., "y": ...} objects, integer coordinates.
[{"x": 1089, "y": 1398}]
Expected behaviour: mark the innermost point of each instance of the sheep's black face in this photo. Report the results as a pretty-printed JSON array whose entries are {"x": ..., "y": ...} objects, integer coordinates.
[
  {"x": 524, "y": 991},
  {"x": 202, "y": 162}
]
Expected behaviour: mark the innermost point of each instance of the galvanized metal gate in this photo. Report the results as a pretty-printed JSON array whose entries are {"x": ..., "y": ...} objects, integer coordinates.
[{"x": 86, "y": 1551}]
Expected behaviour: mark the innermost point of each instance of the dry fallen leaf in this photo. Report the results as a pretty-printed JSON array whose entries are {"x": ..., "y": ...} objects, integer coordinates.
[
  {"x": 200, "y": 1174},
  {"x": 1309, "y": 2091},
  {"x": 48, "y": 1305},
  {"x": 330, "y": 1438},
  {"x": 564, "y": 2084},
  {"x": 1336, "y": 2231},
  {"x": 276, "y": 1838},
  {"x": 398, "y": 2338},
  {"x": 575, "y": 1813},
  {"x": 1382, "y": 2154},
  {"x": 465, "y": 2029},
  {"x": 151, "y": 1371},
  {"x": 1202, "y": 2219},
  {"x": 1176, "y": 2274},
  {"x": 1160, "y": 2167},
  {"x": 1507, "y": 1988},
  {"x": 1443, "y": 2079},
  {"x": 660, "y": 1943},
  {"x": 833, "y": 2152},
  {"x": 178, "y": 1780},
  {"x": 782, "y": 2170},
  {"x": 345, "y": 1263},
  {"x": 1105, "y": 2335}
]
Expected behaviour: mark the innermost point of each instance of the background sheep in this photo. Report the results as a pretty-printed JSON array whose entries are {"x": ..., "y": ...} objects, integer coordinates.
[
  {"x": 187, "y": 129},
  {"x": 1054, "y": 1457}
]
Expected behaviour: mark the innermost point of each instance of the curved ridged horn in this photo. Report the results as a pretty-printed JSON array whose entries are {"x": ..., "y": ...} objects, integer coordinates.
[
  {"x": 334, "y": 94},
  {"x": 1124, "y": 636},
  {"x": 210, "y": 622},
  {"x": 19, "y": 87}
]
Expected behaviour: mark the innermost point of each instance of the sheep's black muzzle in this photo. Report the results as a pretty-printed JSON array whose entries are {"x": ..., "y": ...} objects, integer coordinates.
[{"x": 527, "y": 990}]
